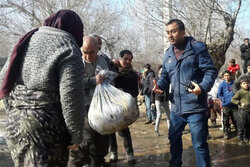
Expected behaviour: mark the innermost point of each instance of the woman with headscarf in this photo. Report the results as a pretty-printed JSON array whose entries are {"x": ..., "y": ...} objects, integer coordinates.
[{"x": 42, "y": 90}]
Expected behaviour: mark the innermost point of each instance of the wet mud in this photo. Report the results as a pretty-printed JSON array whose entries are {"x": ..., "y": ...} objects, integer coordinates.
[{"x": 153, "y": 151}]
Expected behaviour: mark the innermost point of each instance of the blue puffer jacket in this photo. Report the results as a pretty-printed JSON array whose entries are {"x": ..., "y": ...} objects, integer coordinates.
[{"x": 196, "y": 65}]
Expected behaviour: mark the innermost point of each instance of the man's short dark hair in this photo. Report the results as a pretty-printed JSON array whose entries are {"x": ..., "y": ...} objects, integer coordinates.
[
  {"x": 159, "y": 67},
  {"x": 180, "y": 24},
  {"x": 244, "y": 79},
  {"x": 227, "y": 72},
  {"x": 232, "y": 61},
  {"x": 123, "y": 52},
  {"x": 246, "y": 39},
  {"x": 147, "y": 66}
]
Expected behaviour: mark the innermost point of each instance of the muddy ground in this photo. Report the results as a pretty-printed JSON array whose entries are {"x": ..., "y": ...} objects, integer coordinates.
[{"x": 153, "y": 151}]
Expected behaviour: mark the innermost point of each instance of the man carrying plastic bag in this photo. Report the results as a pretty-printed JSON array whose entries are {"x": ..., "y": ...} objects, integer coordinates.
[
  {"x": 111, "y": 109},
  {"x": 94, "y": 147}
]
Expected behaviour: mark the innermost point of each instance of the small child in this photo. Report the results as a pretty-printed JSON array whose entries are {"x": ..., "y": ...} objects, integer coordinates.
[
  {"x": 242, "y": 99},
  {"x": 225, "y": 94},
  {"x": 234, "y": 69}
]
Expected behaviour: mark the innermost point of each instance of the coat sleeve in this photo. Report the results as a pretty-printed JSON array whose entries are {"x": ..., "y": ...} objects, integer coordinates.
[
  {"x": 164, "y": 80},
  {"x": 220, "y": 93},
  {"x": 208, "y": 69},
  {"x": 71, "y": 71}
]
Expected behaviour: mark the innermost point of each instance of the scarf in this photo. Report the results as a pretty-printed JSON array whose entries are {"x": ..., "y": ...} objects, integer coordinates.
[
  {"x": 124, "y": 71},
  {"x": 66, "y": 20}
]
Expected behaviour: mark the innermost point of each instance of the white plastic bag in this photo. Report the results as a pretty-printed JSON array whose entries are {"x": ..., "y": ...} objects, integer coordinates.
[{"x": 111, "y": 109}]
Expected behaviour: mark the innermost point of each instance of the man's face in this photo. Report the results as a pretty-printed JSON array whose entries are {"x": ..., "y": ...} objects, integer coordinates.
[
  {"x": 175, "y": 36},
  {"x": 244, "y": 85},
  {"x": 227, "y": 77},
  {"x": 126, "y": 60},
  {"x": 89, "y": 52},
  {"x": 159, "y": 72},
  {"x": 248, "y": 69},
  {"x": 246, "y": 42}
]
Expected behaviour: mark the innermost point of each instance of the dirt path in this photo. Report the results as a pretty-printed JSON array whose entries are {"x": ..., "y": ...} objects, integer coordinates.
[{"x": 153, "y": 151}]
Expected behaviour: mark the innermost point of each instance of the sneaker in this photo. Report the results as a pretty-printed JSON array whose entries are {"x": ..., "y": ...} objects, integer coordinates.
[
  {"x": 214, "y": 124},
  {"x": 246, "y": 140},
  {"x": 209, "y": 137},
  {"x": 157, "y": 133},
  {"x": 148, "y": 122},
  {"x": 131, "y": 159},
  {"x": 113, "y": 157},
  {"x": 242, "y": 143},
  {"x": 153, "y": 123},
  {"x": 226, "y": 136}
]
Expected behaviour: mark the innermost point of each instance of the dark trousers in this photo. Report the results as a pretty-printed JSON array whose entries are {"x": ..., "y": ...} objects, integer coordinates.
[
  {"x": 244, "y": 66},
  {"x": 229, "y": 112},
  {"x": 127, "y": 141},
  {"x": 91, "y": 151},
  {"x": 243, "y": 124}
]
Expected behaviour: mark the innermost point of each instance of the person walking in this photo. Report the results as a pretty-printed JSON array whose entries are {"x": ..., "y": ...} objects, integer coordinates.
[
  {"x": 42, "y": 90},
  {"x": 161, "y": 103},
  {"x": 148, "y": 76},
  {"x": 191, "y": 72},
  {"x": 127, "y": 81}
]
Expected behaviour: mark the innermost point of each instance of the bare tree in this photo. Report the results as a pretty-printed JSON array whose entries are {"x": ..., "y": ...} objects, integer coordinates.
[
  {"x": 99, "y": 16},
  {"x": 211, "y": 21}
]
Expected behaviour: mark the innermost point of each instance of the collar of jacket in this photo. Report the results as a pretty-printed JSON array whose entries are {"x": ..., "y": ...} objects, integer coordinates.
[{"x": 192, "y": 47}]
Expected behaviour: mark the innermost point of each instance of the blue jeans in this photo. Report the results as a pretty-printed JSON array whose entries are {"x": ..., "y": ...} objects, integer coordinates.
[
  {"x": 150, "y": 112},
  {"x": 198, "y": 127}
]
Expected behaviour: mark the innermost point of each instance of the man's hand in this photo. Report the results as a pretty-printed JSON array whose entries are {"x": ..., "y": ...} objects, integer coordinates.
[
  {"x": 73, "y": 146},
  {"x": 156, "y": 89},
  {"x": 99, "y": 79},
  {"x": 196, "y": 90},
  {"x": 116, "y": 62}
]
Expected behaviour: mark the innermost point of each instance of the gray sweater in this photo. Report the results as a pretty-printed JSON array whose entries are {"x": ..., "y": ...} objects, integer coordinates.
[
  {"x": 91, "y": 70},
  {"x": 53, "y": 63}
]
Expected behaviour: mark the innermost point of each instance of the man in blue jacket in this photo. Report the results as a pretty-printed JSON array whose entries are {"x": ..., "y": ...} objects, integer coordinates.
[{"x": 187, "y": 61}]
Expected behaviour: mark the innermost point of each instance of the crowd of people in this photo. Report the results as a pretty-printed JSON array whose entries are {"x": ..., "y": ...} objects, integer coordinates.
[{"x": 49, "y": 80}]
